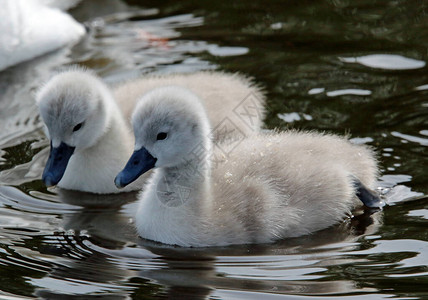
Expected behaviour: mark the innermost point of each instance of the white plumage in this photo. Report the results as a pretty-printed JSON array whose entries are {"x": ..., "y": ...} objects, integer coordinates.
[
  {"x": 256, "y": 190},
  {"x": 84, "y": 117}
]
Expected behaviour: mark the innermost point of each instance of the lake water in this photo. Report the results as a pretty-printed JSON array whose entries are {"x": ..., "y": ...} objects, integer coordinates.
[{"x": 347, "y": 67}]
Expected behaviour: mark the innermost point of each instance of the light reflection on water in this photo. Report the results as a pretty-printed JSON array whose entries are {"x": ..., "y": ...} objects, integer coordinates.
[{"x": 56, "y": 243}]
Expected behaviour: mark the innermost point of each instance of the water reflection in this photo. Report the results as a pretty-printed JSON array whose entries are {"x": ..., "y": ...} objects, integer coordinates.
[
  {"x": 385, "y": 61},
  {"x": 94, "y": 245},
  {"x": 320, "y": 65},
  {"x": 91, "y": 248}
]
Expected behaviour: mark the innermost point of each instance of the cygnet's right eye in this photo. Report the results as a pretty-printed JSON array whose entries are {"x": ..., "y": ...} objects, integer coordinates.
[{"x": 77, "y": 127}]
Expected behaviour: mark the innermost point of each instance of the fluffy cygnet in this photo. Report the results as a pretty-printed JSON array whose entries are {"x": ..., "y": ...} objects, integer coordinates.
[
  {"x": 90, "y": 137},
  {"x": 255, "y": 190}
]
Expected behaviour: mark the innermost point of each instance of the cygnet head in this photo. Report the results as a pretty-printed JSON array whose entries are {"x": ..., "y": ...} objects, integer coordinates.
[
  {"x": 169, "y": 124},
  {"x": 74, "y": 106}
]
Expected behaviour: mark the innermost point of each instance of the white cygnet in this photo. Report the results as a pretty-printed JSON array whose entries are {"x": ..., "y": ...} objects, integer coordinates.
[
  {"x": 254, "y": 190},
  {"x": 88, "y": 126}
]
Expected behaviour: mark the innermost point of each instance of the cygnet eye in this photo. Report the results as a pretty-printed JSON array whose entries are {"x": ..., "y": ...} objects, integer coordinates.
[
  {"x": 161, "y": 136},
  {"x": 77, "y": 127}
]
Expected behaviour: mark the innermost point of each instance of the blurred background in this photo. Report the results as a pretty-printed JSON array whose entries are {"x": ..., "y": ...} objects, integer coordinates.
[{"x": 346, "y": 67}]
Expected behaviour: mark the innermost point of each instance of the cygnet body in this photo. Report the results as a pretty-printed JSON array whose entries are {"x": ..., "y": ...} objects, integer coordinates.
[
  {"x": 229, "y": 99},
  {"x": 88, "y": 126},
  {"x": 255, "y": 190}
]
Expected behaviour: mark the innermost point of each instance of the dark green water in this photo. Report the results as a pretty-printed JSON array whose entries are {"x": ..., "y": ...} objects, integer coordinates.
[{"x": 355, "y": 67}]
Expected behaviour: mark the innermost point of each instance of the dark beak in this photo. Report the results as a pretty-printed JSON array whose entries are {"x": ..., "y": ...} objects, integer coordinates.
[
  {"x": 140, "y": 162},
  {"x": 57, "y": 163}
]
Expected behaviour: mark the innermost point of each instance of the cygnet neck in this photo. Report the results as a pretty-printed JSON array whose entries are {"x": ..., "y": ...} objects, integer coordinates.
[{"x": 189, "y": 181}]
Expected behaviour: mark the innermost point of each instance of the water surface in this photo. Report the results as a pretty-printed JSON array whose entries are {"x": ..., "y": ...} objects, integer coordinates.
[{"x": 337, "y": 66}]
